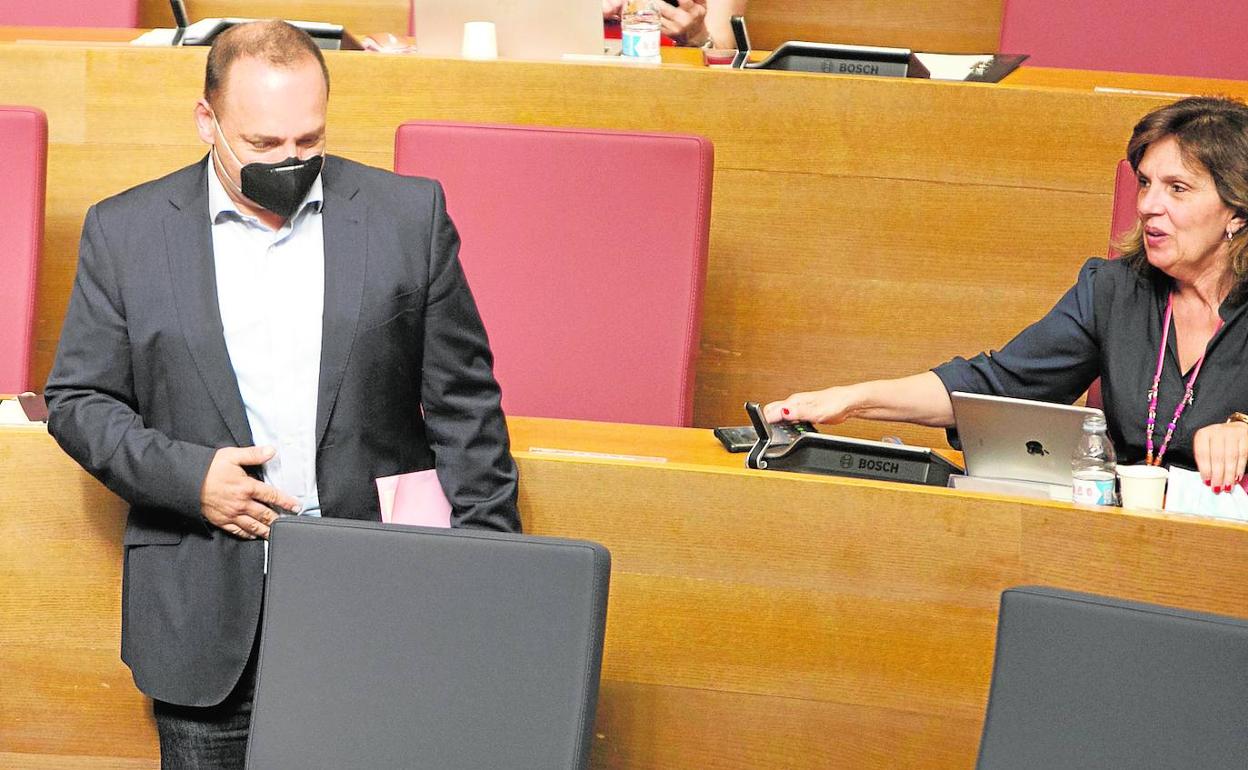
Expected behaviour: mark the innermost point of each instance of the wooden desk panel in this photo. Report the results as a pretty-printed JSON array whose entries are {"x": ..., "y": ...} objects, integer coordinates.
[
  {"x": 67, "y": 700},
  {"x": 686, "y": 726},
  {"x": 755, "y": 619},
  {"x": 920, "y": 25}
]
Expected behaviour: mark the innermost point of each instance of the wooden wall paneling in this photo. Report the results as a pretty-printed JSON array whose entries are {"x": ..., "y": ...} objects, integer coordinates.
[
  {"x": 921, "y": 25},
  {"x": 362, "y": 17}
]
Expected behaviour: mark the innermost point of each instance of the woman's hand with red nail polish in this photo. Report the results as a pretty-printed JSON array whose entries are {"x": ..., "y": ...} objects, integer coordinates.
[{"x": 1221, "y": 452}]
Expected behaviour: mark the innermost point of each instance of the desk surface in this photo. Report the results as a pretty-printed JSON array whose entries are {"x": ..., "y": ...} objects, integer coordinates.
[
  {"x": 80, "y": 35},
  {"x": 1125, "y": 83},
  {"x": 756, "y": 619}
]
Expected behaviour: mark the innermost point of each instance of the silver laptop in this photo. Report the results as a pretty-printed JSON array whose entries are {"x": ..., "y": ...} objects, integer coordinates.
[
  {"x": 1013, "y": 438},
  {"x": 536, "y": 29}
]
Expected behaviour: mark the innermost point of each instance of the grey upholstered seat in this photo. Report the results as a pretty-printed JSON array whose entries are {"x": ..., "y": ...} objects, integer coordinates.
[
  {"x": 1083, "y": 681},
  {"x": 386, "y": 646}
]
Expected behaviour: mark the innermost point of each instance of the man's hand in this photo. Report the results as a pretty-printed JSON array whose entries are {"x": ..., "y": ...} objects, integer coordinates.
[
  {"x": 234, "y": 501},
  {"x": 685, "y": 23}
]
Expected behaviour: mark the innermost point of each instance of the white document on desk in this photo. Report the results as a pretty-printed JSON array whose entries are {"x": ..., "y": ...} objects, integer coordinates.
[
  {"x": 11, "y": 413},
  {"x": 155, "y": 37},
  {"x": 943, "y": 66},
  {"x": 1187, "y": 493}
]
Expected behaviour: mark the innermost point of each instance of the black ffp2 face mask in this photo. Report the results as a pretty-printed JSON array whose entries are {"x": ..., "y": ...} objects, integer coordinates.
[{"x": 279, "y": 187}]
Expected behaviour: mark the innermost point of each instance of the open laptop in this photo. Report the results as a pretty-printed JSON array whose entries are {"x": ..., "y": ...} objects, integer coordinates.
[
  {"x": 1018, "y": 439},
  {"x": 537, "y": 29}
]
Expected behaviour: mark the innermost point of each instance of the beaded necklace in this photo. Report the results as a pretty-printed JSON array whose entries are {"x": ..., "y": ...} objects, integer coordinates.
[{"x": 1152, "y": 392}]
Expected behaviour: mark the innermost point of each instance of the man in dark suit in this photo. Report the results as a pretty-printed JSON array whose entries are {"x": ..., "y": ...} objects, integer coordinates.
[{"x": 267, "y": 331}]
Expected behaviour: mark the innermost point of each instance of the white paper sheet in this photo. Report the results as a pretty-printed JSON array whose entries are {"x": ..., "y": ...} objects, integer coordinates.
[
  {"x": 1187, "y": 493},
  {"x": 11, "y": 413}
]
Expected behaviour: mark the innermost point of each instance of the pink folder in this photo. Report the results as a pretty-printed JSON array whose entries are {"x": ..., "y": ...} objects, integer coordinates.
[{"x": 414, "y": 498}]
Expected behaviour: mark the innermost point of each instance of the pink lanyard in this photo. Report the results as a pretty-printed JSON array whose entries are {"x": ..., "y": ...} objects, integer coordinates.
[{"x": 1152, "y": 392}]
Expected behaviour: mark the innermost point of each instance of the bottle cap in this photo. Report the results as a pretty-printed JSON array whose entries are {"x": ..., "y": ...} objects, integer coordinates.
[{"x": 1094, "y": 422}]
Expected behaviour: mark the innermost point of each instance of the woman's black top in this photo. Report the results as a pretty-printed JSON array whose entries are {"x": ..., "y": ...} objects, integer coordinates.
[{"x": 1109, "y": 325}]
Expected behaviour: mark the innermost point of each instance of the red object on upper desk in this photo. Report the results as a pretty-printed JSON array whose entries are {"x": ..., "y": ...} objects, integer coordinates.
[{"x": 611, "y": 31}]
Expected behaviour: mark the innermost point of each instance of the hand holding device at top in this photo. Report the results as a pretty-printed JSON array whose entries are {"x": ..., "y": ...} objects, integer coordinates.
[
  {"x": 685, "y": 22},
  {"x": 682, "y": 20}
]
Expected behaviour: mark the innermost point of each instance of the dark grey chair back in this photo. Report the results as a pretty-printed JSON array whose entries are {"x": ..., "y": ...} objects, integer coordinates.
[
  {"x": 386, "y": 646},
  {"x": 1083, "y": 681}
]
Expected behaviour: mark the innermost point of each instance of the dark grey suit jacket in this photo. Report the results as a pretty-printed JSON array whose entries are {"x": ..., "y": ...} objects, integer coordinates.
[{"x": 142, "y": 394}]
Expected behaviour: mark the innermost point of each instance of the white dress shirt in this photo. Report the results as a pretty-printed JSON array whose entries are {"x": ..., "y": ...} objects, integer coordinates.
[{"x": 271, "y": 293}]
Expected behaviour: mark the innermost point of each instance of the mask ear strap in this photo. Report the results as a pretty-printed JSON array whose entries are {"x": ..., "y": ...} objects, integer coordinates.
[
  {"x": 216, "y": 156},
  {"x": 225, "y": 141},
  {"x": 226, "y": 174}
]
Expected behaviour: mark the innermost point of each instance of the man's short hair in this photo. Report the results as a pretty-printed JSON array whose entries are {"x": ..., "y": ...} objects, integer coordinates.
[{"x": 274, "y": 41}]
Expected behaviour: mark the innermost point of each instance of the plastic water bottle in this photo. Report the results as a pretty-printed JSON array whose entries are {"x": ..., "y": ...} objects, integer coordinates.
[
  {"x": 1093, "y": 465},
  {"x": 639, "y": 30}
]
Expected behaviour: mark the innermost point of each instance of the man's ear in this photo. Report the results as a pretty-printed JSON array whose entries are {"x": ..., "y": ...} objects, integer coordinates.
[{"x": 203, "y": 122}]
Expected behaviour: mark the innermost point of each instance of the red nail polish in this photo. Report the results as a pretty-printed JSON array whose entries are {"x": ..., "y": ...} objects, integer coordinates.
[
  {"x": 786, "y": 411},
  {"x": 1208, "y": 482},
  {"x": 1217, "y": 490}
]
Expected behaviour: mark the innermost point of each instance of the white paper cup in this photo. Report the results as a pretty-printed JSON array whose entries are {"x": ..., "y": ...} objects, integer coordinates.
[
  {"x": 1143, "y": 486},
  {"x": 480, "y": 40}
]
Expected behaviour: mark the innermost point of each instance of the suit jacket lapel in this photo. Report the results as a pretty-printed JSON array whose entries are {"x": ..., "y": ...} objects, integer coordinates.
[
  {"x": 188, "y": 242},
  {"x": 346, "y": 254}
]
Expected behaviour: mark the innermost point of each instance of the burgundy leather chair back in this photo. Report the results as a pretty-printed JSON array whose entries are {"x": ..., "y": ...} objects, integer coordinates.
[
  {"x": 1200, "y": 38},
  {"x": 586, "y": 252},
  {"x": 1122, "y": 218},
  {"x": 23, "y": 156},
  {"x": 71, "y": 13}
]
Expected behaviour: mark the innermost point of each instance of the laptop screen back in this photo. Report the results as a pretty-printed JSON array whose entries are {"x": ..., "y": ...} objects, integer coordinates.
[
  {"x": 537, "y": 29},
  {"x": 1013, "y": 438}
]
